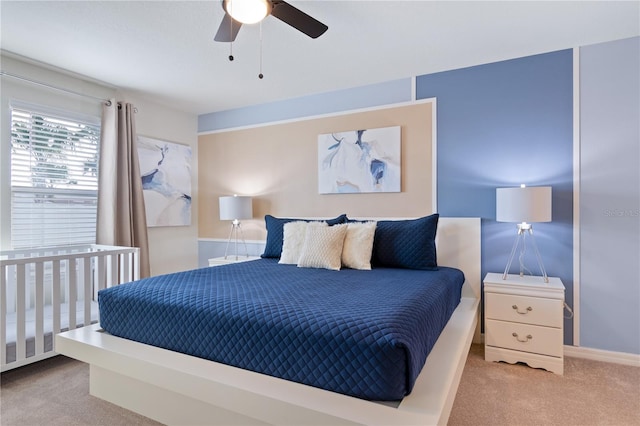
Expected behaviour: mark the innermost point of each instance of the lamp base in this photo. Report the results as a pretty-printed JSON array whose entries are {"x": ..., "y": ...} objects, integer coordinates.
[
  {"x": 235, "y": 230},
  {"x": 525, "y": 229}
]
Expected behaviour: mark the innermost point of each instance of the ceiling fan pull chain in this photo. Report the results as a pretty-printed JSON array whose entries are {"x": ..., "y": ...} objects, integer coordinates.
[
  {"x": 231, "y": 43},
  {"x": 260, "y": 76}
]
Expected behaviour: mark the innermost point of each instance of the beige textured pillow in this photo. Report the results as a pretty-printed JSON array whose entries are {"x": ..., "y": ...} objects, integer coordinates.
[
  {"x": 358, "y": 245},
  {"x": 323, "y": 247},
  {"x": 293, "y": 240}
]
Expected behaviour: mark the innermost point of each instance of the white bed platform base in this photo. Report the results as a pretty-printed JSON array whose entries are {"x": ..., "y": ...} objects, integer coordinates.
[
  {"x": 47, "y": 290},
  {"x": 174, "y": 388}
]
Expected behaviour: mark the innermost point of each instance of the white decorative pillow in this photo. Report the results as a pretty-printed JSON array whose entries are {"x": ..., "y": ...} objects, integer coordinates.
[
  {"x": 293, "y": 240},
  {"x": 358, "y": 245},
  {"x": 323, "y": 247}
]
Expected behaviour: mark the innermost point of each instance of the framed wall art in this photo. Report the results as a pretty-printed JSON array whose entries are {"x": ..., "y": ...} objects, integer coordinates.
[
  {"x": 359, "y": 161},
  {"x": 166, "y": 181}
]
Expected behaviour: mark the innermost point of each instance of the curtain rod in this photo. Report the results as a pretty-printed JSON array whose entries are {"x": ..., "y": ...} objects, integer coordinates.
[{"x": 49, "y": 86}]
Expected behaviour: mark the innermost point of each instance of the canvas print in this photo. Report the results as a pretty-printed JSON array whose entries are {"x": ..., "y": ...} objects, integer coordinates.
[
  {"x": 166, "y": 181},
  {"x": 359, "y": 161}
]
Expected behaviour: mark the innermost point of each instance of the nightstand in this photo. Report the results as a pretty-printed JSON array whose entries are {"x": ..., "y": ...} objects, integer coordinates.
[
  {"x": 217, "y": 261},
  {"x": 523, "y": 321}
]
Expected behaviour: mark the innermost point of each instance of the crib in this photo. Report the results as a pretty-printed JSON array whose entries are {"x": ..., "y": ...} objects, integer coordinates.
[{"x": 46, "y": 291}]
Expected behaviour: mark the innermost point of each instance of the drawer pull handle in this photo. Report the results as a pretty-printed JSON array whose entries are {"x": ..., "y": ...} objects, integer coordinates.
[
  {"x": 529, "y": 309},
  {"x": 529, "y": 337}
]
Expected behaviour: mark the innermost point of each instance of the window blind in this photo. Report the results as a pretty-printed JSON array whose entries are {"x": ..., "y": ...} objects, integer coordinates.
[{"x": 54, "y": 179}]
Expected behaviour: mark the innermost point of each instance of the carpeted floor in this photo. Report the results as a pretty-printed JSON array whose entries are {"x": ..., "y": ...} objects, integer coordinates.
[
  {"x": 589, "y": 393},
  {"x": 56, "y": 392}
]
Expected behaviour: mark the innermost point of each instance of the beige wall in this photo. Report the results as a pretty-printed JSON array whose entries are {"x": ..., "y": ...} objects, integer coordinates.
[{"x": 277, "y": 165}]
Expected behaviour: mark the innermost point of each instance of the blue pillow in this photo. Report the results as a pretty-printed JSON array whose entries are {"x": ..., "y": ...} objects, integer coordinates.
[
  {"x": 407, "y": 244},
  {"x": 275, "y": 233}
]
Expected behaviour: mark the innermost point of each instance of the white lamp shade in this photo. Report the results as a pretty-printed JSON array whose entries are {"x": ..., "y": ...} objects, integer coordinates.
[
  {"x": 247, "y": 11},
  {"x": 524, "y": 204},
  {"x": 235, "y": 207}
]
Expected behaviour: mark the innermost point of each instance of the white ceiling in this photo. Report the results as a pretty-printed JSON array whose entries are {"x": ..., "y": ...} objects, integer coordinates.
[{"x": 165, "y": 51}]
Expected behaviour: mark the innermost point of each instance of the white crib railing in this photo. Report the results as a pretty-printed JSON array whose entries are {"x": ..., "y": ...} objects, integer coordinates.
[{"x": 48, "y": 290}]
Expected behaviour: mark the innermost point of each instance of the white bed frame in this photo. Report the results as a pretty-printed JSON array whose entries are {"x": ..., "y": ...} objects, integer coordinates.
[{"x": 174, "y": 388}]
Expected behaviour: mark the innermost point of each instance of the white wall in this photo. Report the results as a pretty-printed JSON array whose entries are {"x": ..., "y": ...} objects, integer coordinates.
[
  {"x": 14, "y": 90},
  {"x": 172, "y": 249}
]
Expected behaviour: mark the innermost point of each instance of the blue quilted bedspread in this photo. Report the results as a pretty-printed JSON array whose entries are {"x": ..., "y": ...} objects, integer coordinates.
[{"x": 360, "y": 333}]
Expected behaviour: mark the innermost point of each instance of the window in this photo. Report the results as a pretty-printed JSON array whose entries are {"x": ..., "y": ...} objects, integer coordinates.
[{"x": 54, "y": 179}]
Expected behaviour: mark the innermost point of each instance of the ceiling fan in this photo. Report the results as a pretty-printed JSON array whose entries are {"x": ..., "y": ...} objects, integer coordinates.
[{"x": 238, "y": 12}]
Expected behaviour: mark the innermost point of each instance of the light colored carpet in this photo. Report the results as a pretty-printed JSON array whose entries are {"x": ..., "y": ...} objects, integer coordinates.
[
  {"x": 589, "y": 393},
  {"x": 56, "y": 392}
]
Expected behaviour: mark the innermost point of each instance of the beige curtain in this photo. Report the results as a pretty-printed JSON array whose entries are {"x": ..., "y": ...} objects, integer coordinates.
[{"x": 121, "y": 215}]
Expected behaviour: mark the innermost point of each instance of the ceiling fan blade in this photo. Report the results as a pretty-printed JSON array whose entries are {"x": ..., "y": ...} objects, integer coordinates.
[
  {"x": 298, "y": 19},
  {"x": 228, "y": 29}
]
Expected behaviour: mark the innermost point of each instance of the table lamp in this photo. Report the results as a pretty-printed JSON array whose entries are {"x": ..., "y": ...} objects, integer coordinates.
[
  {"x": 524, "y": 205},
  {"x": 236, "y": 208}
]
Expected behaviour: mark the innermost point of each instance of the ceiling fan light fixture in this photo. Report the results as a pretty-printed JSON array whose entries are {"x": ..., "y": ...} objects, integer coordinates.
[{"x": 247, "y": 11}]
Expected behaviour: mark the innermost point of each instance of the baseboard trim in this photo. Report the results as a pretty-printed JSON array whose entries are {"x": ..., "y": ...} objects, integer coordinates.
[{"x": 602, "y": 355}]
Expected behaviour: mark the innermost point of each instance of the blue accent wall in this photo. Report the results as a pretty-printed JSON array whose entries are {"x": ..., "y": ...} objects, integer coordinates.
[
  {"x": 500, "y": 125},
  {"x": 511, "y": 122},
  {"x": 610, "y": 196},
  {"x": 390, "y": 92}
]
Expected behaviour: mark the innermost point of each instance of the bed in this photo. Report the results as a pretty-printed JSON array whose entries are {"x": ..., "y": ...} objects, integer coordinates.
[{"x": 177, "y": 388}]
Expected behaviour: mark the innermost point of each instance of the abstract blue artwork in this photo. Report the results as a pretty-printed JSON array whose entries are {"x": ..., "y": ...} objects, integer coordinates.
[
  {"x": 359, "y": 161},
  {"x": 166, "y": 181}
]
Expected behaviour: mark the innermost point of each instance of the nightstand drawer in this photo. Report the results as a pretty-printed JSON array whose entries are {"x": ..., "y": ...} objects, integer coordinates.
[
  {"x": 524, "y": 337},
  {"x": 522, "y": 309}
]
